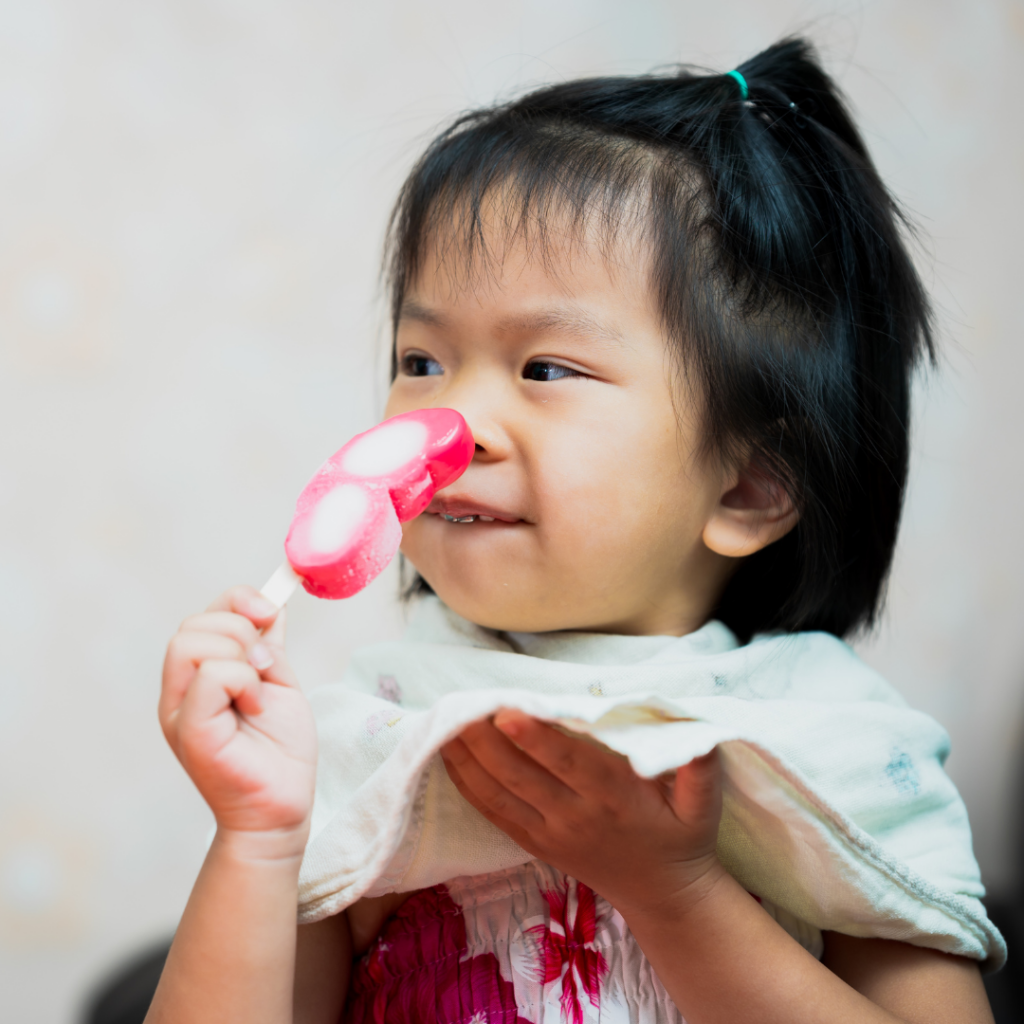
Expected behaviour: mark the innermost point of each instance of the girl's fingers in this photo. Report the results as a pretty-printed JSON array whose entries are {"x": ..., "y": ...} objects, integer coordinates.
[
  {"x": 248, "y": 602},
  {"x": 226, "y": 623},
  {"x": 484, "y": 792},
  {"x": 185, "y": 653},
  {"x": 217, "y": 687},
  {"x": 275, "y": 633},
  {"x": 697, "y": 791},
  {"x": 269, "y": 657},
  {"x": 279, "y": 670},
  {"x": 513, "y": 769},
  {"x": 584, "y": 768},
  {"x": 261, "y": 650}
]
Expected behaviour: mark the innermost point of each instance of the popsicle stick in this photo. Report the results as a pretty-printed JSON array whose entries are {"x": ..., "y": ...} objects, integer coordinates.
[{"x": 281, "y": 585}]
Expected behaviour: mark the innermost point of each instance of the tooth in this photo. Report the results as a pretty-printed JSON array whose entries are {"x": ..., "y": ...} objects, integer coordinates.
[{"x": 486, "y": 519}]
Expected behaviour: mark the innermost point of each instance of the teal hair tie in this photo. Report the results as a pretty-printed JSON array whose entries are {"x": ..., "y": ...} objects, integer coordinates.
[{"x": 744, "y": 91}]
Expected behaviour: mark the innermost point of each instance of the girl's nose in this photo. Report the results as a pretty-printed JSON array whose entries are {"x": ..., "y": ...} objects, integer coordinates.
[
  {"x": 492, "y": 443},
  {"x": 483, "y": 410}
]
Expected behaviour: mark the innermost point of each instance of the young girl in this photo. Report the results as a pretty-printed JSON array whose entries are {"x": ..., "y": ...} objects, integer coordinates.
[{"x": 679, "y": 319}]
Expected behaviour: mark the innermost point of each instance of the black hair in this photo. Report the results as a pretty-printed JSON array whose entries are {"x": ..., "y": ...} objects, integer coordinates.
[{"x": 778, "y": 264}]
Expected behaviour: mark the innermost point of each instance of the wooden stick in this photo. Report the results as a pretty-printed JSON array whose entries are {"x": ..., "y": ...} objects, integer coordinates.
[{"x": 281, "y": 585}]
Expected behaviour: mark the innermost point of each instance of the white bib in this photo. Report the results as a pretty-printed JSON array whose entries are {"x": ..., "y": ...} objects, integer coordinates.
[{"x": 836, "y": 805}]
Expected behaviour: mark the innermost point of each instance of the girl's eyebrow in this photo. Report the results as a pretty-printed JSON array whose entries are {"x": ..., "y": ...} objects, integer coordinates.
[
  {"x": 565, "y": 320},
  {"x": 413, "y": 310}
]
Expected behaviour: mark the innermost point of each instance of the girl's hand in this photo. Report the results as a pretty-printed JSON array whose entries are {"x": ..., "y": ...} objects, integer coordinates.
[
  {"x": 234, "y": 716},
  {"x": 649, "y": 849},
  {"x": 638, "y": 842}
]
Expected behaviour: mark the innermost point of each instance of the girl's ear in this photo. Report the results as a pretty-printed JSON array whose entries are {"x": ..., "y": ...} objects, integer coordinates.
[{"x": 753, "y": 511}]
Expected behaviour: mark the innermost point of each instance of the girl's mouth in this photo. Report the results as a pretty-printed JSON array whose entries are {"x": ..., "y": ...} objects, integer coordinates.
[{"x": 469, "y": 510}]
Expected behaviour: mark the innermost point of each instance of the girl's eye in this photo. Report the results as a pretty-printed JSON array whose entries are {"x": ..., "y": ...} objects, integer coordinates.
[
  {"x": 416, "y": 365},
  {"x": 540, "y": 370}
]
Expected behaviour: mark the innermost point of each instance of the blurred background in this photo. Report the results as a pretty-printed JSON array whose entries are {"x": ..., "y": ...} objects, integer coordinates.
[{"x": 192, "y": 200}]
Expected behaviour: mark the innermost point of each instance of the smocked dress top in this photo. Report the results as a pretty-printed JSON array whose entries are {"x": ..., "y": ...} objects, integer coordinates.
[{"x": 527, "y": 945}]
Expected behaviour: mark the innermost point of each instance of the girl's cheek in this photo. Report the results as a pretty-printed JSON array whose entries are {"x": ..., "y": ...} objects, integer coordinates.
[{"x": 411, "y": 538}]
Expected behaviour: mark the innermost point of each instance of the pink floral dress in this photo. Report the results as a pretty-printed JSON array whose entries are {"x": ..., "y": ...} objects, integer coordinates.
[{"x": 524, "y": 946}]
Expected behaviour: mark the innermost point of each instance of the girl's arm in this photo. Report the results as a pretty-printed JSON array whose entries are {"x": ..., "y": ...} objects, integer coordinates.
[
  {"x": 905, "y": 978},
  {"x": 234, "y": 716},
  {"x": 323, "y": 963},
  {"x": 234, "y": 953},
  {"x": 649, "y": 849},
  {"x": 722, "y": 958}
]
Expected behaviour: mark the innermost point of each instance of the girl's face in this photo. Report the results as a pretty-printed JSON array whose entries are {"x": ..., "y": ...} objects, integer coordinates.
[{"x": 587, "y": 496}]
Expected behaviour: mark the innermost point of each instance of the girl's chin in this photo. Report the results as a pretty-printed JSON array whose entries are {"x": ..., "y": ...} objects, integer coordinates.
[
  {"x": 513, "y": 610},
  {"x": 490, "y": 610}
]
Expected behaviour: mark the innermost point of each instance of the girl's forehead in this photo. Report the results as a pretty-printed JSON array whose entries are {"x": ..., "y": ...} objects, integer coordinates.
[
  {"x": 567, "y": 318},
  {"x": 502, "y": 261},
  {"x": 520, "y": 296}
]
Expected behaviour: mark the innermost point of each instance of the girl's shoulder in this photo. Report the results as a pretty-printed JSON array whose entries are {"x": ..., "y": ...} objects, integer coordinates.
[{"x": 816, "y": 666}]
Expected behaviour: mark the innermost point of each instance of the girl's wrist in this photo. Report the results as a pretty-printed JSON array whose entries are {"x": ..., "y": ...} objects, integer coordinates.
[
  {"x": 274, "y": 846},
  {"x": 694, "y": 887}
]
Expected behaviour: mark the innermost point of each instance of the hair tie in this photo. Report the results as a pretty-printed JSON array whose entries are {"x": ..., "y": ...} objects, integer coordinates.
[{"x": 744, "y": 91}]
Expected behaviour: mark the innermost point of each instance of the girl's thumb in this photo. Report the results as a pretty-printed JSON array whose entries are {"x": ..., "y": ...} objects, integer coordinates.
[
  {"x": 275, "y": 633},
  {"x": 698, "y": 788}
]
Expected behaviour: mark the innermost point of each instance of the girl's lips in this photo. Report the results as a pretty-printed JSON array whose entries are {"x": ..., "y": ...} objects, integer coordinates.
[{"x": 465, "y": 510}]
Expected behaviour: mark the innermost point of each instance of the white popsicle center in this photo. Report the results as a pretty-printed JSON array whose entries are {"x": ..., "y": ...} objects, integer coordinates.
[
  {"x": 336, "y": 516},
  {"x": 385, "y": 449}
]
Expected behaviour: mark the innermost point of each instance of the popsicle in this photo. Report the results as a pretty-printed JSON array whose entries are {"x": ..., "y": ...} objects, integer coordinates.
[{"x": 347, "y": 523}]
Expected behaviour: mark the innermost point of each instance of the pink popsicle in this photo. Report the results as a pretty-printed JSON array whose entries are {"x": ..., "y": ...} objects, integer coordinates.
[{"x": 346, "y": 527}]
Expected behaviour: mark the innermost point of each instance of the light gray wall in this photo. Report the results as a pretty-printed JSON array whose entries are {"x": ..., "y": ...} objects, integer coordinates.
[{"x": 192, "y": 195}]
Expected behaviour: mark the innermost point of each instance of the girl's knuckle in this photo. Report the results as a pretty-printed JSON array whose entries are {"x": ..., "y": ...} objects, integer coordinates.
[
  {"x": 175, "y": 647},
  {"x": 456, "y": 752},
  {"x": 234, "y": 648},
  {"x": 214, "y": 672},
  {"x": 571, "y": 826},
  {"x": 498, "y": 803}
]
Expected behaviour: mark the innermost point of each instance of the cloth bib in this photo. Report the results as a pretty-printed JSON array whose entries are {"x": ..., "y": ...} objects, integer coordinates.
[{"x": 836, "y": 806}]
